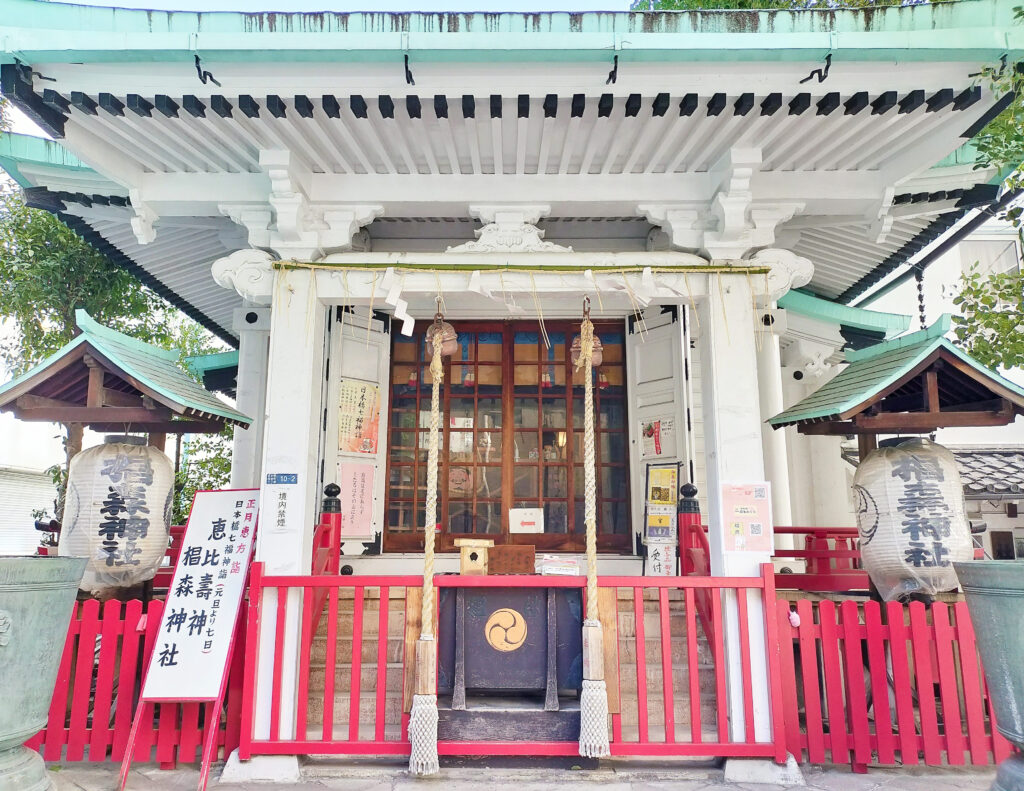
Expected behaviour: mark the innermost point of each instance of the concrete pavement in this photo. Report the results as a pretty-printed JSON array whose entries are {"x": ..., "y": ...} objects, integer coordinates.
[{"x": 616, "y": 775}]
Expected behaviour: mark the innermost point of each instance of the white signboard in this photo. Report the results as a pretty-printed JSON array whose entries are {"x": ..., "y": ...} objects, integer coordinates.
[
  {"x": 191, "y": 650},
  {"x": 661, "y": 559},
  {"x": 526, "y": 520}
]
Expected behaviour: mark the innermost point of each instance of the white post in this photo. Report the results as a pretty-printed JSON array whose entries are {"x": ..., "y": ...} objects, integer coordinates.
[
  {"x": 253, "y": 327},
  {"x": 769, "y": 388},
  {"x": 289, "y": 501},
  {"x": 733, "y": 454}
]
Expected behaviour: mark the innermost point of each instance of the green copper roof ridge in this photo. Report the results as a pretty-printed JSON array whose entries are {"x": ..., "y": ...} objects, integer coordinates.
[
  {"x": 89, "y": 326},
  {"x": 934, "y": 332},
  {"x": 967, "y": 30},
  {"x": 815, "y": 307}
]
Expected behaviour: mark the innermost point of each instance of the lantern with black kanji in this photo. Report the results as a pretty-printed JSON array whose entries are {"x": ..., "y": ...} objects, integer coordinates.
[
  {"x": 118, "y": 512},
  {"x": 911, "y": 518}
]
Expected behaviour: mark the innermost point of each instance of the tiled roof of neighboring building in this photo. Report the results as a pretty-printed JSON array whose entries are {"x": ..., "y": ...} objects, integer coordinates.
[{"x": 991, "y": 469}]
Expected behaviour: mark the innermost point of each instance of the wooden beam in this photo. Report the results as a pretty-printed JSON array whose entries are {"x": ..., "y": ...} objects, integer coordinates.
[
  {"x": 157, "y": 439},
  {"x": 30, "y": 401},
  {"x": 926, "y": 421},
  {"x": 931, "y": 390},
  {"x": 120, "y": 398},
  {"x": 94, "y": 399},
  {"x": 106, "y": 414},
  {"x": 865, "y": 444},
  {"x": 164, "y": 426}
]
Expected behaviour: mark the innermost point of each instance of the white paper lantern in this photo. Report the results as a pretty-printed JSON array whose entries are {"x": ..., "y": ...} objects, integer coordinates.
[
  {"x": 117, "y": 512},
  {"x": 911, "y": 518}
]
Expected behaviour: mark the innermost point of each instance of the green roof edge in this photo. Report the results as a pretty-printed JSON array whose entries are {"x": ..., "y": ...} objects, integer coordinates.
[
  {"x": 928, "y": 339},
  {"x": 18, "y": 149},
  {"x": 99, "y": 336},
  {"x": 968, "y": 30},
  {"x": 936, "y": 330},
  {"x": 813, "y": 307},
  {"x": 200, "y": 363}
]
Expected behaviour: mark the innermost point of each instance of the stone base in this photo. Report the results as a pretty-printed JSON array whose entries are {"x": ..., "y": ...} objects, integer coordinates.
[
  {"x": 260, "y": 769},
  {"x": 22, "y": 769},
  {"x": 763, "y": 770},
  {"x": 1010, "y": 774}
]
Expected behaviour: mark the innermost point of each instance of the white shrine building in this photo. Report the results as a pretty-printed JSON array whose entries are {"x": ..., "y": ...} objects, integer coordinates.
[{"x": 722, "y": 185}]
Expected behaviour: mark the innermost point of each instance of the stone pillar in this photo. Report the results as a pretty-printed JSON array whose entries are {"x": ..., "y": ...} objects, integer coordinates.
[
  {"x": 776, "y": 465},
  {"x": 290, "y": 471},
  {"x": 252, "y": 324},
  {"x": 733, "y": 453}
]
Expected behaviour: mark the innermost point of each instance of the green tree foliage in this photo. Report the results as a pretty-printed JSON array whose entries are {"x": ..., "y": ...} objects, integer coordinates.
[
  {"x": 990, "y": 326},
  {"x": 46, "y": 272}
]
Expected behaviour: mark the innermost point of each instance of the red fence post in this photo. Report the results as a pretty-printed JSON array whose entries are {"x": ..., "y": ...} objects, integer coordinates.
[{"x": 252, "y": 638}]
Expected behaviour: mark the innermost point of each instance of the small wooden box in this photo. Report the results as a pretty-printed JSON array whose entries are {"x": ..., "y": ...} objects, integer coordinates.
[
  {"x": 473, "y": 557},
  {"x": 512, "y": 559}
]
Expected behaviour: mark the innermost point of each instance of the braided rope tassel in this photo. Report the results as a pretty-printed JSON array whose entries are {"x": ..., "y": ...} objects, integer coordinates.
[
  {"x": 594, "y": 741},
  {"x": 423, "y": 717}
]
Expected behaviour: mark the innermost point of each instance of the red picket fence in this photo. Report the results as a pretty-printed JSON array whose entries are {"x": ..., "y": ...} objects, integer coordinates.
[
  {"x": 666, "y": 675},
  {"x": 866, "y": 684},
  {"x": 101, "y": 668}
]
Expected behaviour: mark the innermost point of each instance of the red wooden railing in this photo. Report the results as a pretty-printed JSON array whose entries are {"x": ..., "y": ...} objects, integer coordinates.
[
  {"x": 105, "y": 654},
  {"x": 830, "y": 555},
  {"x": 343, "y": 707},
  {"x": 866, "y": 684}
]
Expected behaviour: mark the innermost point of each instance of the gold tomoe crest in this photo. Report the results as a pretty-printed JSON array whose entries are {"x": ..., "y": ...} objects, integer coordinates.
[{"x": 505, "y": 630}]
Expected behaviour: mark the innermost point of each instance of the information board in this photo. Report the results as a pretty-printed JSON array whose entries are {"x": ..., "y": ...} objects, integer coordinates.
[
  {"x": 747, "y": 517},
  {"x": 190, "y": 655}
]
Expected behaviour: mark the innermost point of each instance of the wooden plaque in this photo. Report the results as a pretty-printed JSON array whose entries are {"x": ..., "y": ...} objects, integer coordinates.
[{"x": 512, "y": 559}]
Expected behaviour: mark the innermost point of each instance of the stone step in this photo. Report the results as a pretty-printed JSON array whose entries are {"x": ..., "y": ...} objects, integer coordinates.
[
  {"x": 367, "y": 708},
  {"x": 367, "y": 678}
]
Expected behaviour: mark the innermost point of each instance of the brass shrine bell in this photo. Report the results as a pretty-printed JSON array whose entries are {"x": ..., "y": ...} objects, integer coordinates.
[{"x": 449, "y": 338}]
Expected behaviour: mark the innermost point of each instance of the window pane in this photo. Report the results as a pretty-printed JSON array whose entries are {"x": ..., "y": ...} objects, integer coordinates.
[
  {"x": 401, "y": 482},
  {"x": 488, "y": 482},
  {"x": 525, "y": 347},
  {"x": 488, "y": 412},
  {"x": 554, "y": 413},
  {"x": 554, "y": 446},
  {"x": 525, "y": 481},
  {"x": 488, "y": 518},
  {"x": 612, "y": 518},
  {"x": 557, "y": 349},
  {"x": 556, "y": 482},
  {"x": 488, "y": 376},
  {"x": 526, "y": 378},
  {"x": 403, "y": 412},
  {"x": 556, "y": 517},
  {"x": 613, "y": 481},
  {"x": 460, "y": 518},
  {"x": 612, "y": 414},
  {"x": 403, "y": 445},
  {"x": 526, "y": 413},
  {"x": 613, "y": 447},
  {"x": 400, "y": 518},
  {"x": 578, "y": 413},
  {"x": 460, "y": 481},
  {"x": 489, "y": 346},
  {"x": 488, "y": 446},
  {"x": 461, "y": 412},
  {"x": 460, "y": 447},
  {"x": 526, "y": 447}
]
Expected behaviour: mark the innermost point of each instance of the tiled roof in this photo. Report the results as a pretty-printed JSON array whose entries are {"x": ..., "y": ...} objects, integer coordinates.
[{"x": 996, "y": 470}]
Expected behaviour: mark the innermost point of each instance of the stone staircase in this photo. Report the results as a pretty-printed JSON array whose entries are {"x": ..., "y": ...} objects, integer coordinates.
[{"x": 394, "y": 671}]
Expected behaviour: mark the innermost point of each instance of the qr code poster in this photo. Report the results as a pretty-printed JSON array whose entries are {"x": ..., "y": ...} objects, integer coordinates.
[{"x": 747, "y": 515}]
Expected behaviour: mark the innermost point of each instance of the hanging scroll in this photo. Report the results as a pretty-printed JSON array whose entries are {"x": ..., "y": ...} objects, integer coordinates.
[{"x": 358, "y": 416}]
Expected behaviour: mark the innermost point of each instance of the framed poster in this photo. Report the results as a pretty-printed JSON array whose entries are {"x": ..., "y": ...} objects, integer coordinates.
[
  {"x": 657, "y": 438},
  {"x": 356, "y": 481},
  {"x": 661, "y": 502},
  {"x": 747, "y": 517},
  {"x": 358, "y": 416}
]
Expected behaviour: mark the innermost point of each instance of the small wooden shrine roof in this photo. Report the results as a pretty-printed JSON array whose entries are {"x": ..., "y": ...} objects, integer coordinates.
[
  {"x": 113, "y": 382},
  {"x": 915, "y": 383}
]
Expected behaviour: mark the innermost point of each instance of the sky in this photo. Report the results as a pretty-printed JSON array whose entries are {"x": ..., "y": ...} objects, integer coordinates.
[{"x": 367, "y": 5}]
